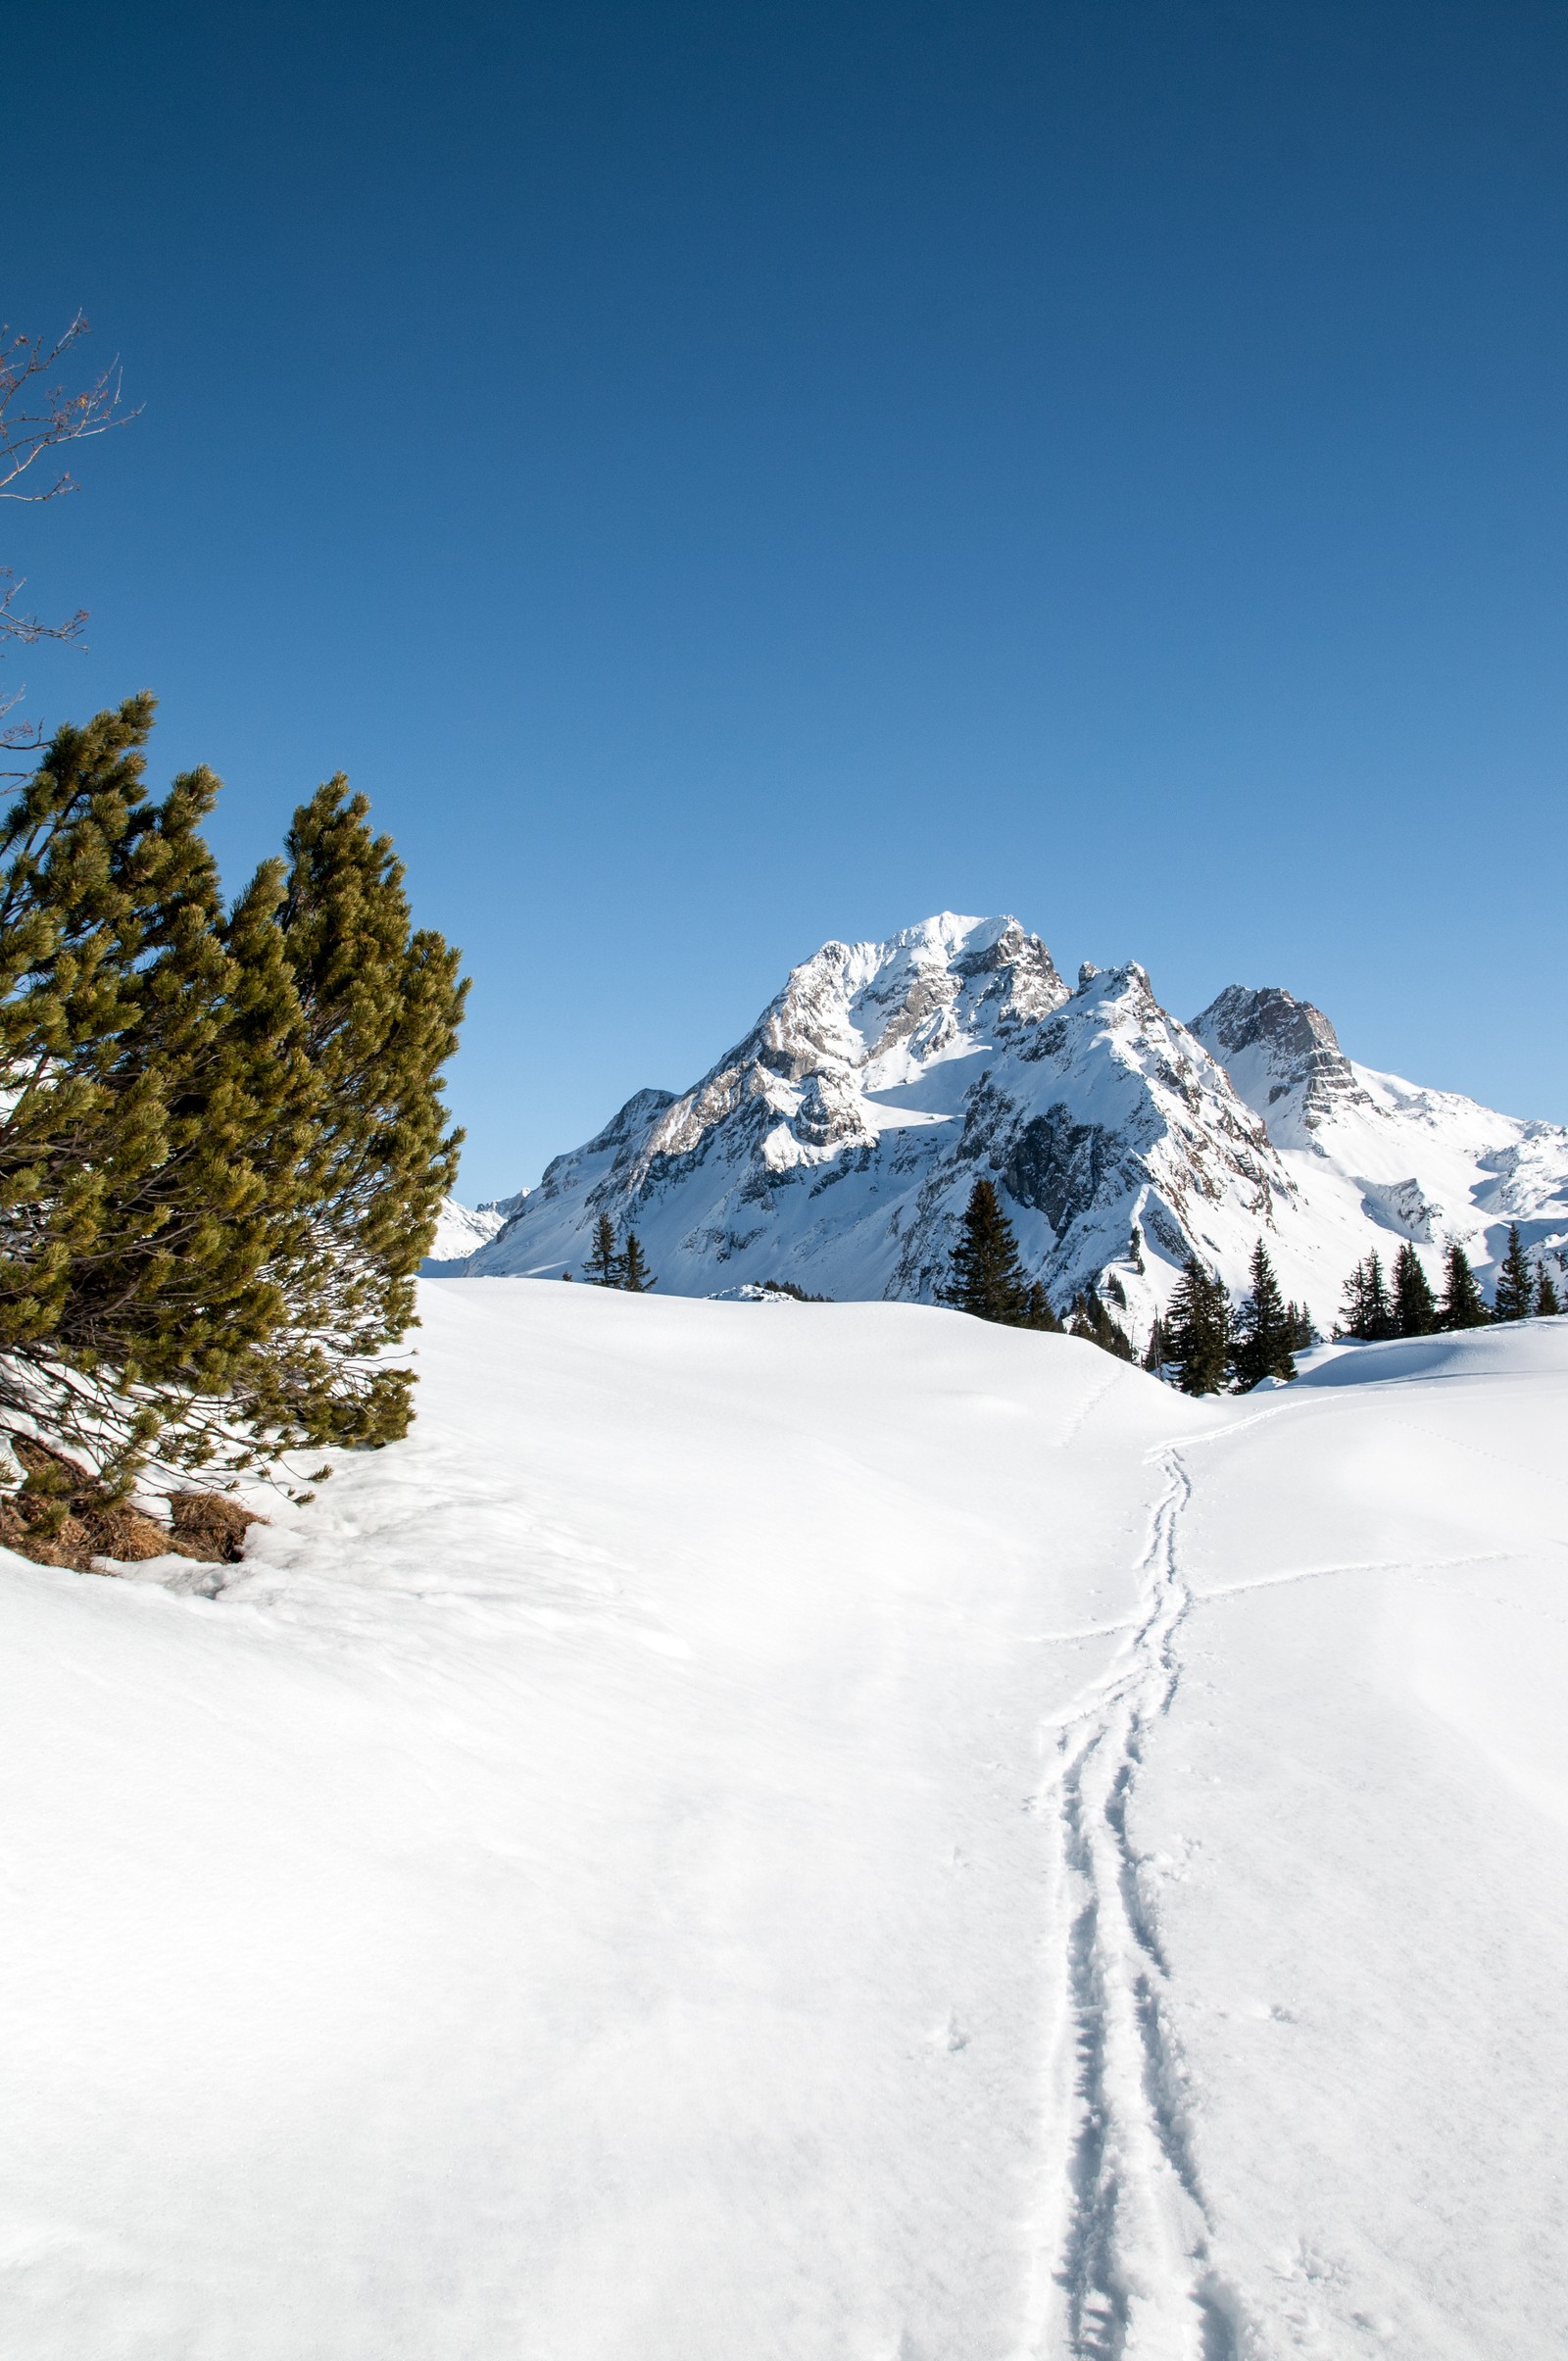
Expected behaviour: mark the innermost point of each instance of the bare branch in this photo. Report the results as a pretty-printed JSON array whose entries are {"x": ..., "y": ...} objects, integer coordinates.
[{"x": 36, "y": 417}]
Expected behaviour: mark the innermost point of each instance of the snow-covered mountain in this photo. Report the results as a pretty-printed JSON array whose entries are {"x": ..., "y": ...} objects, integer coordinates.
[
  {"x": 836, "y": 1144},
  {"x": 461, "y": 1230}
]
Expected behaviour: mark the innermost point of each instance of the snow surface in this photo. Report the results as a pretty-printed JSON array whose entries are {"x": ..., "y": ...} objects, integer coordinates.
[
  {"x": 835, "y": 1145},
  {"x": 846, "y": 1835}
]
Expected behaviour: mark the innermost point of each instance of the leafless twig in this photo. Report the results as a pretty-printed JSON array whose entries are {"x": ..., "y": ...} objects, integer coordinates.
[{"x": 37, "y": 414}]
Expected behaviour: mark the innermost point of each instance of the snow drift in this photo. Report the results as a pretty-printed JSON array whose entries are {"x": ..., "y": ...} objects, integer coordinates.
[
  {"x": 818, "y": 1832},
  {"x": 836, "y": 1144}
]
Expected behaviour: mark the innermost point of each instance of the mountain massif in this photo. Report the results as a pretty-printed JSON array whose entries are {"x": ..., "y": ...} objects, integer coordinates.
[{"x": 836, "y": 1144}]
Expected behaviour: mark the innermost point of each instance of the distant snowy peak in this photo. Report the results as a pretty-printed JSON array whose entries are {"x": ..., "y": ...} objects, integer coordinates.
[
  {"x": 460, "y": 1231},
  {"x": 1283, "y": 1057},
  {"x": 836, "y": 1144}
]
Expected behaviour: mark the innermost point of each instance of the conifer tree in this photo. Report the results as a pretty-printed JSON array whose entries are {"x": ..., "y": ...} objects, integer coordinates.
[
  {"x": 635, "y": 1276},
  {"x": 1263, "y": 1341},
  {"x": 1303, "y": 1330},
  {"x": 604, "y": 1263},
  {"x": 1095, "y": 1324},
  {"x": 1548, "y": 1306},
  {"x": 1198, "y": 1330},
  {"x": 1155, "y": 1353},
  {"x": 220, "y": 1136},
  {"x": 1037, "y": 1312},
  {"x": 1415, "y": 1308},
  {"x": 1515, "y": 1291},
  {"x": 1462, "y": 1305},
  {"x": 147, "y": 1047},
  {"x": 1367, "y": 1314},
  {"x": 381, "y": 1003},
  {"x": 986, "y": 1278}
]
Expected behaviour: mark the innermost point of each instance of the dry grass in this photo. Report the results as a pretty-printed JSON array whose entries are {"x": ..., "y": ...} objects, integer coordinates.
[{"x": 63, "y": 1517}]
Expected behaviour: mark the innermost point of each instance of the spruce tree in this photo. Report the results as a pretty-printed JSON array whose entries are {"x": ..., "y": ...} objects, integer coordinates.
[
  {"x": 1198, "y": 1330},
  {"x": 987, "y": 1277},
  {"x": 1037, "y": 1312},
  {"x": 1367, "y": 1314},
  {"x": 635, "y": 1276},
  {"x": 1264, "y": 1337},
  {"x": 1415, "y": 1308},
  {"x": 1095, "y": 1324},
  {"x": 1548, "y": 1306},
  {"x": 1462, "y": 1305},
  {"x": 1516, "y": 1290},
  {"x": 1155, "y": 1353},
  {"x": 604, "y": 1263}
]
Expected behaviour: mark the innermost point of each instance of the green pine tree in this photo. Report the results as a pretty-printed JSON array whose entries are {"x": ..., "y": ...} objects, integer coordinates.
[
  {"x": 1264, "y": 1329},
  {"x": 1462, "y": 1305},
  {"x": 149, "y": 1046},
  {"x": 381, "y": 1003},
  {"x": 1516, "y": 1290},
  {"x": 987, "y": 1277},
  {"x": 604, "y": 1263},
  {"x": 1415, "y": 1308},
  {"x": 1198, "y": 1330},
  {"x": 1548, "y": 1306},
  {"x": 635, "y": 1276},
  {"x": 1155, "y": 1353}
]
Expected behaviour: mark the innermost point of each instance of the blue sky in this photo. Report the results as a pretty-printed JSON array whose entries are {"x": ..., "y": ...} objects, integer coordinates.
[{"x": 723, "y": 477}]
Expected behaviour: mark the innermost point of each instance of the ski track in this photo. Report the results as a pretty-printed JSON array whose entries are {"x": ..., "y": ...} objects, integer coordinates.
[{"x": 1125, "y": 2267}]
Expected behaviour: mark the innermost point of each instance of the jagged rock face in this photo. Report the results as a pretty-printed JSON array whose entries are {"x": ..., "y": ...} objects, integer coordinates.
[
  {"x": 837, "y": 1145},
  {"x": 1283, "y": 1057}
]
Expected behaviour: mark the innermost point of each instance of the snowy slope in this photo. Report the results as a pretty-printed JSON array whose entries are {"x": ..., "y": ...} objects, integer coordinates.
[
  {"x": 840, "y": 1832},
  {"x": 838, "y": 1142}
]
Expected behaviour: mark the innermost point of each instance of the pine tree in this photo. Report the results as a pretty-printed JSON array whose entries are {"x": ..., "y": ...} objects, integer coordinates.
[
  {"x": 1548, "y": 1306},
  {"x": 220, "y": 1136},
  {"x": 1415, "y": 1308},
  {"x": 1155, "y": 1353},
  {"x": 1462, "y": 1305},
  {"x": 1515, "y": 1291},
  {"x": 1198, "y": 1330},
  {"x": 1303, "y": 1329},
  {"x": 1135, "y": 1249},
  {"x": 1264, "y": 1329},
  {"x": 604, "y": 1263},
  {"x": 147, "y": 1046},
  {"x": 381, "y": 1003},
  {"x": 986, "y": 1278},
  {"x": 635, "y": 1276}
]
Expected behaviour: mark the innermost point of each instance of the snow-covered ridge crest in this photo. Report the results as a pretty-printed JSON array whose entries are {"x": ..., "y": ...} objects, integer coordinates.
[{"x": 836, "y": 1144}]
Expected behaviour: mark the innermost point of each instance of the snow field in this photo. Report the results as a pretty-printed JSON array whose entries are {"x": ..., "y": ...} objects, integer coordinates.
[{"x": 840, "y": 1833}]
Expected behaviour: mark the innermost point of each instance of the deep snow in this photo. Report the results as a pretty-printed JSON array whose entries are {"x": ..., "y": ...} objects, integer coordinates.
[{"x": 816, "y": 1832}]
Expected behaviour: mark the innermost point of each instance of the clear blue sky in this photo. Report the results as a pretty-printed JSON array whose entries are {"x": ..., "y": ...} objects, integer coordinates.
[{"x": 723, "y": 477}]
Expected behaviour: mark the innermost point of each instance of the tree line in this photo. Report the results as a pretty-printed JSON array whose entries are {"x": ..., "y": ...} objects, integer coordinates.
[
  {"x": 223, "y": 1142},
  {"x": 1204, "y": 1344}
]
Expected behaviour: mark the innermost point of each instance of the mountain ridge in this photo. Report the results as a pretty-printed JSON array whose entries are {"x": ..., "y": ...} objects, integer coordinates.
[{"x": 834, "y": 1144}]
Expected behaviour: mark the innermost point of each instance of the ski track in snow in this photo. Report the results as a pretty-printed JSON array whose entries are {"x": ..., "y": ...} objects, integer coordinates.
[{"x": 1127, "y": 2246}]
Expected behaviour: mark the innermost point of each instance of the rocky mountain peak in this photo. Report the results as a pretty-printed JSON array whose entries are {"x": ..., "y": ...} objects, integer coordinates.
[{"x": 1283, "y": 1056}]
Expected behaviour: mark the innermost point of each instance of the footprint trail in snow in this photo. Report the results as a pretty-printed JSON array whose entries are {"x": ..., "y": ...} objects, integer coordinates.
[{"x": 1131, "y": 2274}]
